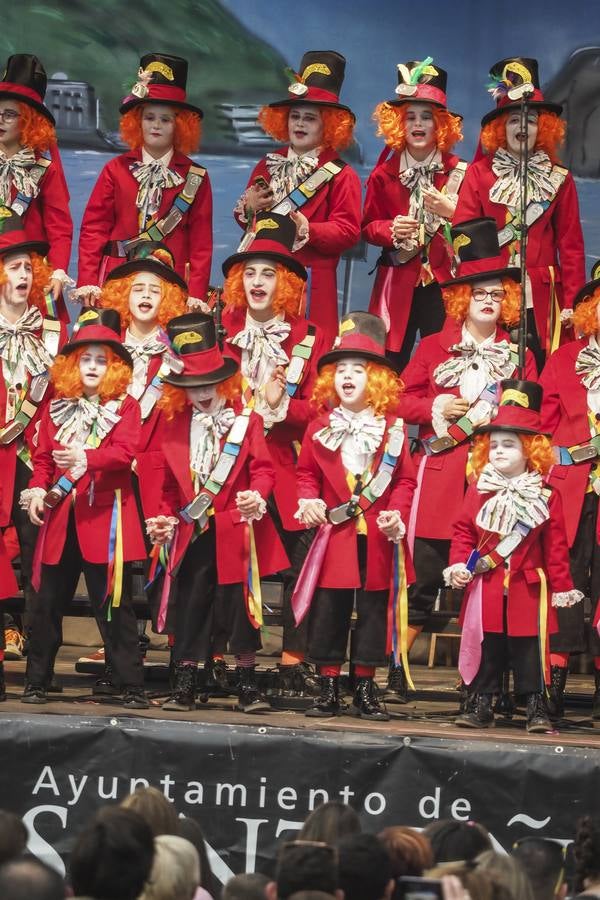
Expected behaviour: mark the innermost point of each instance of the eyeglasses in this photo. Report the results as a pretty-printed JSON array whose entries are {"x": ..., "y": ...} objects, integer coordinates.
[
  {"x": 9, "y": 115},
  {"x": 480, "y": 294}
]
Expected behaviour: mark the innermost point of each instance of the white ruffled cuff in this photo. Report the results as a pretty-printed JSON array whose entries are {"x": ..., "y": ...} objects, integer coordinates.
[
  {"x": 80, "y": 467},
  {"x": 80, "y": 294},
  {"x": 301, "y": 240},
  {"x": 438, "y": 420},
  {"x": 399, "y": 530},
  {"x": 566, "y": 315},
  {"x": 269, "y": 415},
  {"x": 194, "y": 303},
  {"x": 239, "y": 210},
  {"x": 27, "y": 495},
  {"x": 302, "y": 504},
  {"x": 567, "y": 598},
  {"x": 61, "y": 275},
  {"x": 262, "y": 508},
  {"x": 450, "y": 570},
  {"x": 152, "y": 527}
]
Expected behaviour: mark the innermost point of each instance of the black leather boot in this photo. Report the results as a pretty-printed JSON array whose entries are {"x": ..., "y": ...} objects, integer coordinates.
[
  {"x": 34, "y": 693},
  {"x": 596, "y": 697},
  {"x": 183, "y": 696},
  {"x": 397, "y": 686},
  {"x": 537, "y": 714},
  {"x": 556, "y": 692},
  {"x": 478, "y": 712},
  {"x": 105, "y": 686},
  {"x": 250, "y": 699},
  {"x": 366, "y": 703},
  {"x": 327, "y": 704}
]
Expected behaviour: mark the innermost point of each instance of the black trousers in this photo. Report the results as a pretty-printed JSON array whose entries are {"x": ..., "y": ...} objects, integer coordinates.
[
  {"x": 430, "y": 558},
  {"x": 501, "y": 653},
  {"x": 329, "y": 622},
  {"x": 426, "y": 316},
  {"x": 203, "y": 614},
  {"x": 57, "y": 588},
  {"x": 27, "y": 536}
]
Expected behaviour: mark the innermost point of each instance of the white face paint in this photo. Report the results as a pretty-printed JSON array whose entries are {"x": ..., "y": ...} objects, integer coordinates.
[
  {"x": 93, "y": 364},
  {"x": 14, "y": 293},
  {"x": 10, "y": 127},
  {"x": 158, "y": 128},
  {"x": 515, "y": 137},
  {"x": 204, "y": 398},
  {"x": 305, "y": 126},
  {"x": 419, "y": 126},
  {"x": 144, "y": 298},
  {"x": 350, "y": 382},
  {"x": 486, "y": 301},
  {"x": 506, "y": 453},
  {"x": 260, "y": 283}
]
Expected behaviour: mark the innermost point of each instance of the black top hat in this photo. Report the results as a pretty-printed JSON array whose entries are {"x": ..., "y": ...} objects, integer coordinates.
[
  {"x": 318, "y": 81},
  {"x": 149, "y": 256},
  {"x": 194, "y": 340},
  {"x": 476, "y": 246},
  {"x": 519, "y": 408},
  {"x": 510, "y": 79},
  {"x": 98, "y": 326},
  {"x": 161, "y": 79},
  {"x": 361, "y": 334},
  {"x": 13, "y": 238},
  {"x": 587, "y": 290},
  {"x": 419, "y": 81},
  {"x": 24, "y": 79},
  {"x": 274, "y": 237}
]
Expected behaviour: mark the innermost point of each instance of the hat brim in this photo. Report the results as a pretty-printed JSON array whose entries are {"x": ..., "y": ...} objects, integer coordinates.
[
  {"x": 336, "y": 355},
  {"x": 179, "y": 104},
  {"x": 532, "y": 104},
  {"x": 147, "y": 265},
  {"x": 485, "y": 429},
  {"x": 39, "y": 107},
  {"x": 511, "y": 272},
  {"x": 229, "y": 368},
  {"x": 301, "y": 101},
  {"x": 115, "y": 346},
  {"x": 585, "y": 291},
  {"x": 399, "y": 101},
  {"x": 286, "y": 261},
  {"x": 40, "y": 247}
]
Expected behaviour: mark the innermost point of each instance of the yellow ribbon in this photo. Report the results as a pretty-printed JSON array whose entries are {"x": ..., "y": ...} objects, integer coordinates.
[
  {"x": 555, "y": 324},
  {"x": 543, "y": 623},
  {"x": 401, "y": 614},
  {"x": 254, "y": 589}
]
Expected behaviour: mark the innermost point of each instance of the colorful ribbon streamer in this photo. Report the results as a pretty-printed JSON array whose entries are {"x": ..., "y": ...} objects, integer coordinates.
[
  {"x": 114, "y": 575},
  {"x": 309, "y": 574},
  {"x": 543, "y": 626},
  {"x": 398, "y": 614},
  {"x": 254, "y": 593},
  {"x": 412, "y": 521},
  {"x": 469, "y": 657}
]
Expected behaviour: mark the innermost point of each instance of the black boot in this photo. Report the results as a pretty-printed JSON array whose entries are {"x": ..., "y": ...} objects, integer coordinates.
[
  {"x": 537, "y": 714},
  {"x": 2, "y": 683},
  {"x": 34, "y": 693},
  {"x": 105, "y": 686},
  {"x": 366, "y": 703},
  {"x": 134, "y": 697},
  {"x": 556, "y": 692},
  {"x": 596, "y": 697},
  {"x": 250, "y": 699},
  {"x": 327, "y": 704},
  {"x": 183, "y": 696},
  {"x": 397, "y": 686},
  {"x": 297, "y": 680},
  {"x": 478, "y": 712}
]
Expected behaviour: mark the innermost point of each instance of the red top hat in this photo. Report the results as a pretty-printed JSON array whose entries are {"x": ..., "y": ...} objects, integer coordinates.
[
  {"x": 511, "y": 79},
  {"x": 274, "y": 237},
  {"x": 161, "y": 79},
  {"x": 419, "y": 81},
  {"x": 362, "y": 335},
  {"x": 13, "y": 238},
  {"x": 98, "y": 326},
  {"x": 518, "y": 410},
  {"x": 477, "y": 250},
  {"x": 149, "y": 256},
  {"x": 318, "y": 81},
  {"x": 193, "y": 339},
  {"x": 24, "y": 79}
]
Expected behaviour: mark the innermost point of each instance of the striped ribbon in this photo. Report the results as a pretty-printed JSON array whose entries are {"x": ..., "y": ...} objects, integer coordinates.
[
  {"x": 398, "y": 614},
  {"x": 543, "y": 626},
  {"x": 554, "y": 323},
  {"x": 50, "y": 305},
  {"x": 253, "y": 593},
  {"x": 114, "y": 576},
  {"x": 163, "y": 555}
]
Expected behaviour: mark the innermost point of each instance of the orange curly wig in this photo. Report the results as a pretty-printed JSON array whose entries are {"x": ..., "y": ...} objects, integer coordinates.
[
  {"x": 174, "y": 399},
  {"x": 457, "y": 298},
  {"x": 188, "y": 130},
  {"x": 383, "y": 389},
  {"x": 42, "y": 274},
  {"x": 550, "y": 135},
  {"x": 35, "y": 130},
  {"x": 536, "y": 447},
  {"x": 66, "y": 378},
  {"x": 585, "y": 315},
  {"x": 115, "y": 295},
  {"x": 338, "y": 125},
  {"x": 391, "y": 125},
  {"x": 288, "y": 293}
]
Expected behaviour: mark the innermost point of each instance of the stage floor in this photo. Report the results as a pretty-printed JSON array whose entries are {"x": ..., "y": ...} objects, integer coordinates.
[{"x": 431, "y": 713}]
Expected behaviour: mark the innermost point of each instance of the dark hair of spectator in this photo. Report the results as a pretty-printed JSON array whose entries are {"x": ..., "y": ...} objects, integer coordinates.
[
  {"x": 154, "y": 808},
  {"x": 452, "y": 841},
  {"x": 365, "y": 868},
  {"x": 190, "y": 829},
  {"x": 28, "y": 878},
  {"x": 248, "y": 886},
  {"x": 330, "y": 822},
  {"x": 544, "y": 863},
  {"x": 586, "y": 852},
  {"x": 13, "y": 836},
  {"x": 306, "y": 866}
]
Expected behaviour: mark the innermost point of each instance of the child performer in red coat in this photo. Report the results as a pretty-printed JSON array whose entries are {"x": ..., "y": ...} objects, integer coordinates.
[
  {"x": 154, "y": 191},
  {"x": 32, "y": 181},
  {"x": 216, "y": 476},
  {"x": 571, "y": 414},
  {"x": 555, "y": 252},
  {"x": 355, "y": 482},
  {"x": 509, "y": 550},
  {"x": 80, "y": 494},
  {"x": 308, "y": 181},
  {"x": 278, "y": 352},
  {"x": 411, "y": 196}
]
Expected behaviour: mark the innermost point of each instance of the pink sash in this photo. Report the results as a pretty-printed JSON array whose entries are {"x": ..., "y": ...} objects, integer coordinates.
[
  {"x": 469, "y": 658},
  {"x": 309, "y": 575}
]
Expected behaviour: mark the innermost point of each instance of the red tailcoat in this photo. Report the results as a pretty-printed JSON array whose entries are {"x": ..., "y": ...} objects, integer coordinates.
[
  {"x": 282, "y": 435},
  {"x": 321, "y": 474},
  {"x": 565, "y": 417},
  {"x": 109, "y": 469},
  {"x": 444, "y": 473},
  {"x": 253, "y": 470},
  {"x": 555, "y": 239},
  {"x": 148, "y": 457},
  {"x": 8, "y": 452},
  {"x": 111, "y": 214},
  {"x": 8, "y": 582},
  {"x": 334, "y": 217},
  {"x": 48, "y": 217},
  {"x": 545, "y": 547},
  {"x": 387, "y": 198}
]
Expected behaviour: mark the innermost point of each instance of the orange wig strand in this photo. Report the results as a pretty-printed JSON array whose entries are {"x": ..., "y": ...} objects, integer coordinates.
[
  {"x": 35, "y": 130},
  {"x": 338, "y": 125},
  {"x": 174, "y": 399},
  {"x": 186, "y": 138},
  {"x": 67, "y": 382},
  {"x": 550, "y": 134},
  {"x": 458, "y": 297},
  {"x": 391, "y": 125},
  {"x": 585, "y": 315},
  {"x": 42, "y": 274},
  {"x": 536, "y": 447},
  {"x": 288, "y": 292},
  {"x": 383, "y": 389},
  {"x": 115, "y": 295}
]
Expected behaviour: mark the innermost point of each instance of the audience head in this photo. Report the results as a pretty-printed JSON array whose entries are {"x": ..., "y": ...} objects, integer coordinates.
[
  {"x": 330, "y": 822},
  {"x": 509, "y": 872},
  {"x": 250, "y": 886},
  {"x": 304, "y": 866},
  {"x": 452, "y": 841},
  {"x": 586, "y": 853},
  {"x": 480, "y": 884},
  {"x": 365, "y": 869},
  {"x": 13, "y": 836},
  {"x": 544, "y": 862},
  {"x": 28, "y": 878},
  {"x": 175, "y": 871},
  {"x": 191, "y": 831},
  {"x": 154, "y": 808},
  {"x": 112, "y": 857},
  {"x": 409, "y": 851}
]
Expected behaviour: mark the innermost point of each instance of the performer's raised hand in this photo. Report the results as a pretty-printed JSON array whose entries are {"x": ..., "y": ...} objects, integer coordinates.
[
  {"x": 275, "y": 387},
  {"x": 36, "y": 510}
]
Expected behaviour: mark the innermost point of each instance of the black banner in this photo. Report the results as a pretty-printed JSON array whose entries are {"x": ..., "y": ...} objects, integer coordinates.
[{"x": 250, "y": 786}]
